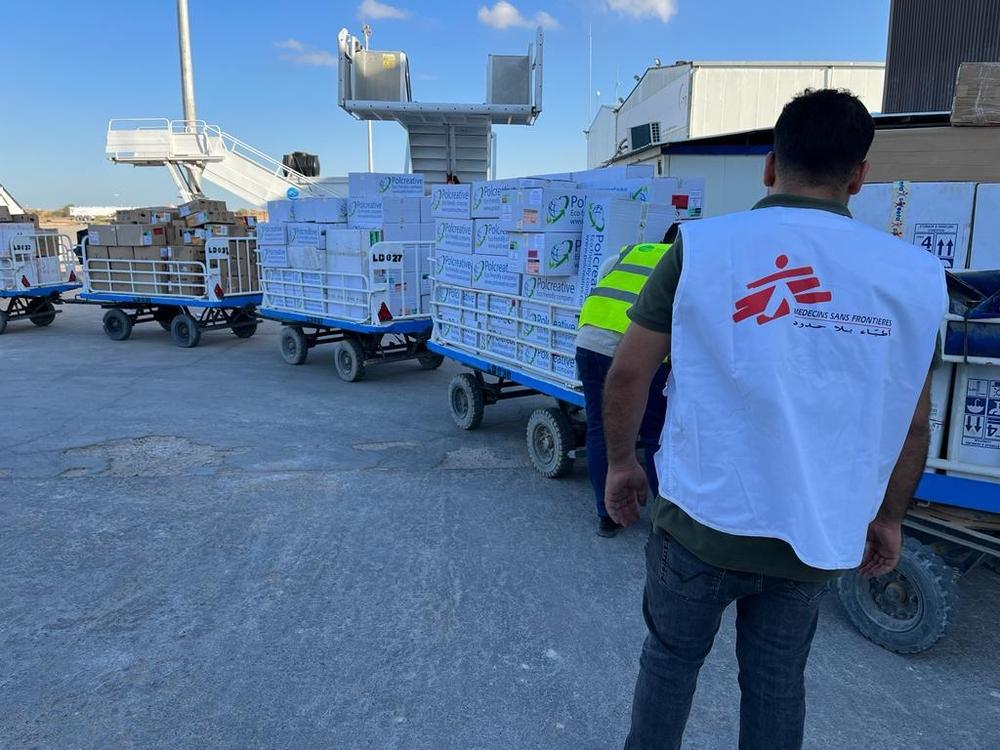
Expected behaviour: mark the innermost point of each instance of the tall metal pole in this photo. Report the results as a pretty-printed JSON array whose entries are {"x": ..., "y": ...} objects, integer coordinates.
[
  {"x": 187, "y": 69},
  {"x": 367, "y": 31}
]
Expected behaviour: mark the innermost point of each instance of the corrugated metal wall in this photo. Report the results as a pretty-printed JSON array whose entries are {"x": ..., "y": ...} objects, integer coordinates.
[{"x": 928, "y": 39}]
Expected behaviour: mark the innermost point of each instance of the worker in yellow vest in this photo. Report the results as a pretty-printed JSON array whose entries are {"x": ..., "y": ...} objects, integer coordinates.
[{"x": 603, "y": 321}]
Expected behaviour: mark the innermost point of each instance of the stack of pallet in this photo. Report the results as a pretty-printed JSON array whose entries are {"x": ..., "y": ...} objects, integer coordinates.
[{"x": 161, "y": 250}]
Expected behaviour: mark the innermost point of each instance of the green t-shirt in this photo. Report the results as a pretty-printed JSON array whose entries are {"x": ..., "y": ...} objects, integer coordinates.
[{"x": 753, "y": 554}]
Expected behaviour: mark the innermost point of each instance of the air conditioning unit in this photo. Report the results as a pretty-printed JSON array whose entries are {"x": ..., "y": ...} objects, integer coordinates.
[{"x": 644, "y": 135}]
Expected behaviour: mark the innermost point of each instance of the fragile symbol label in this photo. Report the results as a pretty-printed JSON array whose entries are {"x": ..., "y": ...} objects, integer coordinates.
[
  {"x": 938, "y": 239},
  {"x": 981, "y": 420}
]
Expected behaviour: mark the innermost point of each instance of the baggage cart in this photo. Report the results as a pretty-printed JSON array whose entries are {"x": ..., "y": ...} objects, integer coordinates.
[
  {"x": 371, "y": 317},
  {"x": 35, "y": 272},
  {"x": 465, "y": 331},
  {"x": 954, "y": 524},
  {"x": 185, "y": 297}
]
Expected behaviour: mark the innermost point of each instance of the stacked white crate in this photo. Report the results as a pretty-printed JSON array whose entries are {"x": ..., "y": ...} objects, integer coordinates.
[
  {"x": 510, "y": 286},
  {"x": 317, "y": 258}
]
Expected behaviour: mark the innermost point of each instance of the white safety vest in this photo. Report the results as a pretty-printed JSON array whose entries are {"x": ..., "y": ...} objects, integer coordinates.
[{"x": 800, "y": 343}]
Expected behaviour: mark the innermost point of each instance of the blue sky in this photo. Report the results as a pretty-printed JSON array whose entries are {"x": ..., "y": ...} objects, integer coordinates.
[{"x": 266, "y": 73}]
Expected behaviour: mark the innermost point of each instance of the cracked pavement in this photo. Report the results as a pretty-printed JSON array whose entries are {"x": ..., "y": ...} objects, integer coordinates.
[{"x": 209, "y": 548}]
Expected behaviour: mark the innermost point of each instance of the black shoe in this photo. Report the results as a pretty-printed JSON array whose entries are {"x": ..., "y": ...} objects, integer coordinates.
[{"x": 607, "y": 527}]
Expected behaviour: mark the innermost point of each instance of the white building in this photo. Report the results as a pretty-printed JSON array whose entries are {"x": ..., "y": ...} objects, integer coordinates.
[{"x": 699, "y": 99}]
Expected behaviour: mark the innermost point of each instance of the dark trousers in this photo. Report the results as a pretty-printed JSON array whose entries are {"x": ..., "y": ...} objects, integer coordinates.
[
  {"x": 683, "y": 605},
  {"x": 593, "y": 370}
]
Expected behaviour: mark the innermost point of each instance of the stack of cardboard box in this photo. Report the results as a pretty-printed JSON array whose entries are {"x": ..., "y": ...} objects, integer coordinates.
[
  {"x": 317, "y": 257},
  {"x": 161, "y": 250}
]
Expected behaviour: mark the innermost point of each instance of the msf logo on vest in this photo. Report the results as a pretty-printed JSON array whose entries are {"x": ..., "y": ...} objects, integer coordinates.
[{"x": 771, "y": 297}]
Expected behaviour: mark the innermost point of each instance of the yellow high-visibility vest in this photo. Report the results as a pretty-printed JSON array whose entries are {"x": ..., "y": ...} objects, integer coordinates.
[{"x": 608, "y": 303}]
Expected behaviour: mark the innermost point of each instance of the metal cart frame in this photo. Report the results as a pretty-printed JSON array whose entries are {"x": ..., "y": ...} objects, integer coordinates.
[{"x": 35, "y": 301}]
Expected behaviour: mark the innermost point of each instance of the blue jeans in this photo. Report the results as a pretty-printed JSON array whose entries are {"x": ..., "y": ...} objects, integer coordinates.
[
  {"x": 683, "y": 605},
  {"x": 593, "y": 370}
]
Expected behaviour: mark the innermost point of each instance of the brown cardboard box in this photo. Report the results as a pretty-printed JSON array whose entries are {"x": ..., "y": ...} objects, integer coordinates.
[
  {"x": 25, "y": 219},
  {"x": 199, "y": 204},
  {"x": 4, "y": 214},
  {"x": 151, "y": 276},
  {"x": 936, "y": 154},
  {"x": 141, "y": 234},
  {"x": 977, "y": 94},
  {"x": 102, "y": 234},
  {"x": 201, "y": 218}
]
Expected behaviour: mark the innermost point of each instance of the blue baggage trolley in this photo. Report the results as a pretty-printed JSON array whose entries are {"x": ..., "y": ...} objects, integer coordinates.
[{"x": 35, "y": 271}]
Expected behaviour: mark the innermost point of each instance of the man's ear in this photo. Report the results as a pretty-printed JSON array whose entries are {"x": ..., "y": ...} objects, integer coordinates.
[
  {"x": 769, "y": 175},
  {"x": 858, "y": 178}
]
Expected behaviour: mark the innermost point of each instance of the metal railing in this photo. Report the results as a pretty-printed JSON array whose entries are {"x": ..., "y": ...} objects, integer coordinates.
[{"x": 37, "y": 260}]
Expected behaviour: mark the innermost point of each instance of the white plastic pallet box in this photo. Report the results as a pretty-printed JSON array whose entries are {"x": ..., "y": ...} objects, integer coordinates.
[
  {"x": 974, "y": 436},
  {"x": 495, "y": 274},
  {"x": 490, "y": 238},
  {"x": 561, "y": 291},
  {"x": 364, "y": 213},
  {"x": 985, "y": 252},
  {"x": 545, "y": 209},
  {"x": 454, "y": 235},
  {"x": 453, "y": 268},
  {"x": 451, "y": 201},
  {"x": 269, "y": 233},
  {"x": 375, "y": 184},
  {"x": 549, "y": 253},
  {"x": 936, "y": 216}
]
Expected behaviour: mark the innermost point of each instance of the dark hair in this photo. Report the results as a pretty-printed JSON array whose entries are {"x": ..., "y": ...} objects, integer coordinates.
[{"x": 821, "y": 136}]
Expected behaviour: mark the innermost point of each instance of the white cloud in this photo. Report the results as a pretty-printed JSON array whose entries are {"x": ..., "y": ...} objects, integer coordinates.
[
  {"x": 505, "y": 15},
  {"x": 380, "y": 11},
  {"x": 302, "y": 54},
  {"x": 662, "y": 9}
]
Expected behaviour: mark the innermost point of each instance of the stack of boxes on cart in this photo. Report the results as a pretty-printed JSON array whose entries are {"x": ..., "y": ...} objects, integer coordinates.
[
  {"x": 959, "y": 222},
  {"x": 515, "y": 259},
  {"x": 29, "y": 255},
  {"x": 317, "y": 259},
  {"x": 162, "y": 250}
]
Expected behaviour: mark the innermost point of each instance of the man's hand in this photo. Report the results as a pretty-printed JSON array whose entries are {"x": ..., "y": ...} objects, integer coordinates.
[
  {"x": 882, "y": 549},
  {"x": 624, "y": 492}
]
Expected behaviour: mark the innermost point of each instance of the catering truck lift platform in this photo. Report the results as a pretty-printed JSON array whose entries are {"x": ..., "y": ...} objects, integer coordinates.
[
  {"x": 35, "y": 272},
  {"x": 954, "y": 524},
  {"x": 184, "y": 297},
  {"x": 555, "y": 435},
  {"x": 371, "y": 316}
]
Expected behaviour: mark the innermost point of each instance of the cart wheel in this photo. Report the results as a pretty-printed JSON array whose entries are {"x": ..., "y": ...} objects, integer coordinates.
[
  {"x": 3, "y": 321},
  {"x": 294, "y": 347},
  {"x": 465, "y": 398},
  {"x": 244, "y": 324},
  {"x": 550, "y": 439},
  {"x": 430, "y": 360},
  {"x": 909, "y": 609},
  {"x": 185, "y": 331},
  {"x": 165, "y": 316},
  {"x": 349, "y": 358},
  {"x": 117, "y": 324},
  {"x": 43, "y": 314}
]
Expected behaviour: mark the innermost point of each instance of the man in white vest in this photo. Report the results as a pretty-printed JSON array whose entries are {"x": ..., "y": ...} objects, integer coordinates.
[{"x": 796, "y": 429}]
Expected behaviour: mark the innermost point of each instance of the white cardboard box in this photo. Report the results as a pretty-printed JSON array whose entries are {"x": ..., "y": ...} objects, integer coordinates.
[
  {"x": 545, "y": 209},
  {"x": 273, "y": 257},
  {"x": 538, "y": 320},
  {"x": 364, "y": 213},
  {"x": 561, "y": 291},
  {"x": 488, "y": 195},
  {"x": 305, "y": 234},
  {"x": 453, "y": 268},
  {"x": 935, "y": 216},
  {"x": 330, "y": 210},
  {"x": 941, "y": 387},
  {"x": 280, "y": 211},
  {"x": 269, "y": 233},
  {"x": 451, "y": 201},
  {"x": 548, "y": 253},
  {"x": 985, "y": 252},
  {"x": 396, "y": 210},
  {"x": 374, "y": 184},
  {"x": 490, "y": 238},
  {"x": 454, "y": 235},
  {"x": 351, "y": 240},
  {"x": 492, "y": 273},
  {"x": 974, "y": 437}
]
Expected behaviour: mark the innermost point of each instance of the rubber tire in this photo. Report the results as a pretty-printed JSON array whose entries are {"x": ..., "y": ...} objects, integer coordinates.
[
  {"x": 919, "y": 567},
  {"x": 165, "y": 316},
  {"x": 117, "y": 324},
  {"x": 3, "y": 321},
  {"x": 185, "y": 331},
  {"x": 465, "y": 401},
  {"x": 293, "y": 345},
  {"x": 430, "y": 360},
  {"x": 349, "y": 360},
  {"x": 245, "y": 325},
  {"x": 550, "y": 439},
  {"x": 44, "y": 313}
]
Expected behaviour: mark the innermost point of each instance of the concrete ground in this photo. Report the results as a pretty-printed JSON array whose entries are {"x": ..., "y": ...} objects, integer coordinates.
[{"x": 209, "y": 548}]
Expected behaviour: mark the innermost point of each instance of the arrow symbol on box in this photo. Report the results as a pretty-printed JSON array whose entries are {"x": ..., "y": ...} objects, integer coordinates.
[
  {"x": 950, "y": 246},
  {"x": 940, "y": 246}
]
